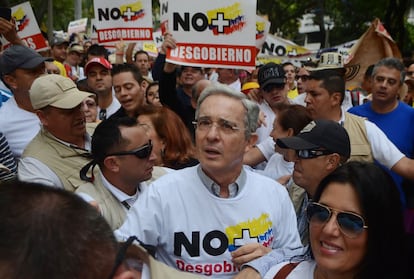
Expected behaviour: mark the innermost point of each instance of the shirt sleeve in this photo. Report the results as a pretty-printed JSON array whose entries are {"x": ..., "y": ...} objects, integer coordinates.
[
  {"x": 383, "y": 149},
  {"x": 33, "y": 170},
  {"x": 267, "y": 147}
]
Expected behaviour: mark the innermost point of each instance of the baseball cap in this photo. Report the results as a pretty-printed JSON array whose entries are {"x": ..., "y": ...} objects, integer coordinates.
[
  {"x": 97, "y": 61},
  {"x": 58, "y": 40},
  {"x": 56, "y": 91},
  {"x": 247, "y": 86},
  {"x": 75, "y": 48},
  {"x": 271, "y": 73},
  {"x": 20, "y": 57},
  {"x": 326, "y": 134}
]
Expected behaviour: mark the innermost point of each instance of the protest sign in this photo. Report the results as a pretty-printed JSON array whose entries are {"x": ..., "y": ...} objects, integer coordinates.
[
  {"x": 77, "y": 26},
  {"x": 213, "y": 33},
  {"x": 27, "y": 27},
  {"x": 119, "y": 19}
]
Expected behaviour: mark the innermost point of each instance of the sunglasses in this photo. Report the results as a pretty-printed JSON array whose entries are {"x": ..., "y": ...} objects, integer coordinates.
[
  {"x": 142, "y": 152},
  {"x": 350, "y": 224},
  {"x": 310, "y": 154}
]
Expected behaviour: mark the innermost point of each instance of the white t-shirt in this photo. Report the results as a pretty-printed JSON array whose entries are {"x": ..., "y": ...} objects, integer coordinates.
[
  {"x": 263, "y": 132},
  {"x": 277, "y": 167},
  {"x": 304, "y": 270},
  {"x": 18, "y": 126},
  {"x": 195, "y": 231}
]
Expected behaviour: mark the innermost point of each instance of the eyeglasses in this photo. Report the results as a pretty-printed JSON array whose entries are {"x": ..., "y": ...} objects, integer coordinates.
[
  {"x": 350, "y": 224},
  {"x": 270, "y": 87},
  {"x": 121, "y": 256},
  {"x": 142, "y": 152},
  {"x": 410, "y": 73},
  {"x": 310, "y": 154},
  {"x": 302, "y": 77},
  {"x": 225, "y": 126}
]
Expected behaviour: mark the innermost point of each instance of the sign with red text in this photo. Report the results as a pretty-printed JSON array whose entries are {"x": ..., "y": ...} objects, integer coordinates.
[
  {"x": 129, "y": 20},
  {"x": 213, "y": 33},
  {"x": 27, "y": 27}
]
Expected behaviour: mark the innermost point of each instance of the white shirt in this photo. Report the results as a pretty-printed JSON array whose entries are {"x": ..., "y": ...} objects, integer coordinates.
[
  {"x": 19, "y": 126},
  {"x": 113, "y": 107}
]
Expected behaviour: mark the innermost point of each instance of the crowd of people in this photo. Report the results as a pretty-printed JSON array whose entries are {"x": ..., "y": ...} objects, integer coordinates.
[{"x": 134, "y": 167}]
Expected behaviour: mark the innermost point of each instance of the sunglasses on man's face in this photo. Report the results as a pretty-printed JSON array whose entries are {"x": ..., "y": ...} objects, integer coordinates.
[
  {"x": 310, "y": 154},
  {"x": 142, "y": 152},
  {"x": 350, "y": 224}
]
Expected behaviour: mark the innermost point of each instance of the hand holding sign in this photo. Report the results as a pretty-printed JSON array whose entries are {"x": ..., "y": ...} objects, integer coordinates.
[{"x": 8, "y": 30}]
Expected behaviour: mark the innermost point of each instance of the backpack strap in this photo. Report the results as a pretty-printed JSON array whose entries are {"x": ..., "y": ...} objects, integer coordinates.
[{"x": 285, "y": 270}]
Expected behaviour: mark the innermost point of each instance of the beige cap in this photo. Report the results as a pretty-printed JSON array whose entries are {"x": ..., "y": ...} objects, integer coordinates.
[{"x": 56, "y": 91}]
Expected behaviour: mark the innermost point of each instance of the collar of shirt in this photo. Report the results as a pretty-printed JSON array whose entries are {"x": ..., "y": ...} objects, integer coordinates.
[
  {"x": 88, "y": 141},
  {"x": 234, "y": 188},
  {"x": 118, "y": 194}
]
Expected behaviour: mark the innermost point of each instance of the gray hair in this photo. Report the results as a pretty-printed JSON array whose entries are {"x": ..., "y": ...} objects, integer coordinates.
[
  {"x": 252, "y": 109},
  {"x": 392, "y": 63}
]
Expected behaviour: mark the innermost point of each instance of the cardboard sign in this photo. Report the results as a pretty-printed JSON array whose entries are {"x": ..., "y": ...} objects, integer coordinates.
[
  {"x": 213, "y": 33},
  {"x": 127, "y": 20},
  {"x": 27, "y": 27}
]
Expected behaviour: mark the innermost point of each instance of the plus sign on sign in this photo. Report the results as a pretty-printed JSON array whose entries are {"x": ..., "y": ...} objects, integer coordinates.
[
  {"x": 126, "y": 20},
  {"x": 213, "y": 33}
]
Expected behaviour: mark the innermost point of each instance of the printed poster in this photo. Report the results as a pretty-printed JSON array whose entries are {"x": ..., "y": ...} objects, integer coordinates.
[
  {"x": 130, "y": 20},
  {"x": 27, "y": 27},
  {"x": 213, "y": 33}
]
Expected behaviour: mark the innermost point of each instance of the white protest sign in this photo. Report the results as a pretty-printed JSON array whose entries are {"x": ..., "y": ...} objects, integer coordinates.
[
  {"x": 127, "y": 20},
  {"x": 27, "y": 27},
  {"x": 213, "y": 33},
  {"x": 77, "y": 26},
  {"x": 262, "y": 29}
]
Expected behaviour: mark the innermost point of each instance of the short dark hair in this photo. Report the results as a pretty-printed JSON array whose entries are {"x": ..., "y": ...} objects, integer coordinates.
[
  {"x": 125, "y": 68},
  {"x": 107, "y": 137},
  {"x": 140, "y": 52},
  {"x": 332, "y": 81},
  {"x": 97, "y": 51},
  {"x": 295, "y": 117},
  {"x": 382, "y": 210},
  {"x": 52, "y": 233},
  {"x": 391, "y": 63}
]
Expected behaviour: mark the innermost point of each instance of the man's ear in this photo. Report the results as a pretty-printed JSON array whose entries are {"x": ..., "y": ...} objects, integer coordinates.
[
  {"x": 42, "y": 117},
  {"x": 336, "y": 99},
  {"x": 333, "y": 161},
  {"x": 10, "y": 80},
  {"x": 251, "y": 141},
  {"x": 112, "y": 163}
]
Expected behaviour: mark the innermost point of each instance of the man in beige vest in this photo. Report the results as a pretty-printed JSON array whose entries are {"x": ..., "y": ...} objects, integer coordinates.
[
  {"x": 61, "y": 148},
  {"x": 123, "y": 151}
]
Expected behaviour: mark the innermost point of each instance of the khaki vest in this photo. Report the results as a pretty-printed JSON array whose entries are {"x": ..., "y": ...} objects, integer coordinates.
[
  {"x": 112, "y": 210},
  {"x": 360, "y": 145},
  {"x": 63, "y": 160}
]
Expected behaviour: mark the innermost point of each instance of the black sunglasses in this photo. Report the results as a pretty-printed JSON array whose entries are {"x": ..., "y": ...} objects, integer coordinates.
[
  {"x": 121, "y": 255},
  {"x": 310, "y": 154},
  {"x": 142, "y": 152},
  {"x": 349, "y": 223}
]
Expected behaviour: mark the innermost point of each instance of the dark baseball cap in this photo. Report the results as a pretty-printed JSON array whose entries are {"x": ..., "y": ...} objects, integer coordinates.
[
  {"x": 20, "y": 57},
  {"x": 326, "y": 134},
  {"x": 271, "y": 73}
]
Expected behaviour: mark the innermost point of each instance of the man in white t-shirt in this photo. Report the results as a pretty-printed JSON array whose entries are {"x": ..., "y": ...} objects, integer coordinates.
[
  {"x": 196, "y": 217},
  {"x": 19, "y": 67}
]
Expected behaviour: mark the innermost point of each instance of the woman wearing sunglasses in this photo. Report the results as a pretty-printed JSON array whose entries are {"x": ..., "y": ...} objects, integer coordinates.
[{"x": 355, "y": 228}]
